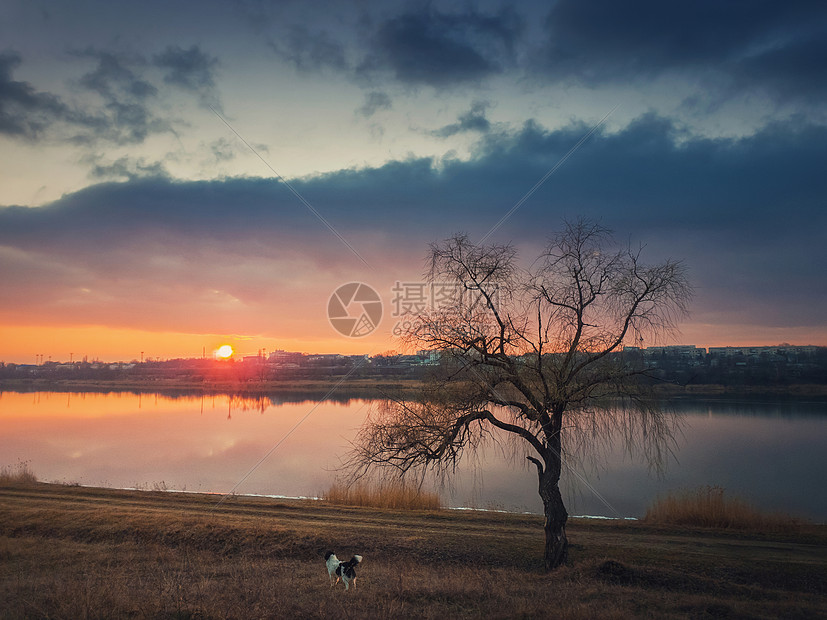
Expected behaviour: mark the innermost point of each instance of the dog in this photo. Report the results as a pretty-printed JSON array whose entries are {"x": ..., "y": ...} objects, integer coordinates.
[{"x": 346, "y": 571}]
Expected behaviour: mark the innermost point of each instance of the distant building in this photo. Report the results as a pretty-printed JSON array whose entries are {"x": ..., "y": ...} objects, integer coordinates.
[
  {"x": 755, "y": 352},
  {"x": 680, "y": 350},
  {"x": 428, "y": 357},
  {"x": 280, "y": 357},
  {"x": 684, "y": 354}
]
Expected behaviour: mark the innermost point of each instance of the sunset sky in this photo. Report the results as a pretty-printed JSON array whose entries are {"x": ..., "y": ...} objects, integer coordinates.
[{"x": 141, "y": 143}]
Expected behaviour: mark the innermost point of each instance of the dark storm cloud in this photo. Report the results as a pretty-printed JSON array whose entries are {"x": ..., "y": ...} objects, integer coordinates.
[
  {"x": 25, "y": 112},
  {"x": 110, "y": 215},
  {"x": 127, "y": 116},
  {"x": 653, "y": 177},
  {"x": 190, "y": 69},
  {"x": 728, "y": 49},
  {"x": 441, "y": 49},
  {"x": 126, "y": 107},
  {"x": 746, "y": 214},
  {"x": 649, "y": 176},
  {"x": 124, "y": 118},
  {"x": 113, "y": 78},
  {"x": 793, "y": 71},
  {"x": 746, "y": 43},
  {"x": 473, "y": 120}
]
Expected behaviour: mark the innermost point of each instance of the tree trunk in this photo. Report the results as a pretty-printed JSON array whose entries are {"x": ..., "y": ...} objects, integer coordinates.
[
  {"x": 556, "y": 552},
  {"x": 557, "y": 545}
]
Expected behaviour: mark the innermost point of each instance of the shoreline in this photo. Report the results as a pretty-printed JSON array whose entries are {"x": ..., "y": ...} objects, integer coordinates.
[
  {"x": 321, "y": 499},
  {"x": 366, "y": 387}
]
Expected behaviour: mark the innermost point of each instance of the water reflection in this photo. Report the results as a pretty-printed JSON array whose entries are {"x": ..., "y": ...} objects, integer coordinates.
[
  {"x": 198, "y": 443},
  {"x": 752, "y": 407},
  {"x": 770, "y": 452},
  {"x": 341, "y": 395}
]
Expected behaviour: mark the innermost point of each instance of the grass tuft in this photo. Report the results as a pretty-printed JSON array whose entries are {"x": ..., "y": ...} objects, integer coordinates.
[
  {"x": 707, "y": 506},
  {"x": 17, "y": 474},
  {"x": 395, "y": 495}
]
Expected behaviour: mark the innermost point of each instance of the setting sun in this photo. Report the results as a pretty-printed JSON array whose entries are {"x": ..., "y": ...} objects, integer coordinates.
[{"x": 224, "y": 352}]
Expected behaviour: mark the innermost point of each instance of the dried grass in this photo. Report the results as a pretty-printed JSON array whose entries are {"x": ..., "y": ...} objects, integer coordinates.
[
  {"x": 19, "y": 474},
  {"x": 395, "y": 495},
  {"x": 76, "y": 552},
  {"x": 707, "y": 506}
]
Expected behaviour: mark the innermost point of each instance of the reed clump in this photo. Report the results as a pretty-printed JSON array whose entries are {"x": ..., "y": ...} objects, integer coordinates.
[
  {"x": 19, "y": 474},
  {"x": 395, "y": 495},
  {"x": 708, "y": 506}
]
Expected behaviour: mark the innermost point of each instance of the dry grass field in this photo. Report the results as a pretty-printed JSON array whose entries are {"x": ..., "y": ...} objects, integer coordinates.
[
  {"x": 378, "y": 495},
  {"x": 710, "y": 507},
  {"x": 73, "y": 552}
]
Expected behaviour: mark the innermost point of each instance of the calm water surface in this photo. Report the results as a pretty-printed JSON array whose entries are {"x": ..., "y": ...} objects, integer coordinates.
[{"x": 773, "y": 454}]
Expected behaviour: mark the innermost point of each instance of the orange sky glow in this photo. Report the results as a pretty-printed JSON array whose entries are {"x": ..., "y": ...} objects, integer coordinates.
[
  {"x": 21, "y": 344},
  {"x": 167, "y": 191}
]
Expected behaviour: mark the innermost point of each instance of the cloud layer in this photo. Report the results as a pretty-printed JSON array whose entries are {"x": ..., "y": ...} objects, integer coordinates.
[
  {"x": 776, "y": 47},
  {"x": 125, "y": 110},
  {"x": 401, "y": 123},
  {"x": 746, "y": 214},
  {"x": 765, "y": 48}
]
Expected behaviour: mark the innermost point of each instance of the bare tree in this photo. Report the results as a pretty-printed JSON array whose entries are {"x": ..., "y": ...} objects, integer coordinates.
[{"x": 536, "y": 355}]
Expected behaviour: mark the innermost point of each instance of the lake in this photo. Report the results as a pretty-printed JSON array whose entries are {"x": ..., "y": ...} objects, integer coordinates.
[{"x": 773, "y": 454}]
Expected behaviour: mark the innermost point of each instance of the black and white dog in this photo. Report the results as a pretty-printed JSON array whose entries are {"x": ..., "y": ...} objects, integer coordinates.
[{"x": 346, "y": 571}]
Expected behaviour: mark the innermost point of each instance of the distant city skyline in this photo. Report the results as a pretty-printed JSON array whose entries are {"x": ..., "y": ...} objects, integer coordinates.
[
  {"x": 239, "y": 354},
  {"x": 170, "y": 183}
]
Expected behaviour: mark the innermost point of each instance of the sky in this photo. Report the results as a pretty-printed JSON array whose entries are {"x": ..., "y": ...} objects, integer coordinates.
[{"x": 177, "y": 176}]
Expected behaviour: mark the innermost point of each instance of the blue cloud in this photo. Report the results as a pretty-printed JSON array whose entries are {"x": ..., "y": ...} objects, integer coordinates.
[
  {"x": 473, "y": 120},
  {"x": 27, "y": 113},
  {"x": 775, "y": 47},
  {"x": 746, "y": 214},
  {"x": 440, "y": 49},
  {"x": 190, "y": 69}
]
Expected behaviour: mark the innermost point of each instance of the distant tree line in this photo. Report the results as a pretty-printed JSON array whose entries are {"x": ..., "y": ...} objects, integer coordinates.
[{"x": 769, "y": 366}]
